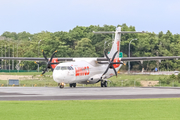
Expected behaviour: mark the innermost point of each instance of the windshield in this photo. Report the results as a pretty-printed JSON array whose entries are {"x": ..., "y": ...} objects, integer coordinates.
[
  {"x": 64, "y": 68},
  {"x": 57, "y": 68}
]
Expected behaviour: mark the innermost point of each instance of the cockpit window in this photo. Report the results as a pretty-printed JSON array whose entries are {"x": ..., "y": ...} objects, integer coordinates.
[
  {"x": 57, "y": 68},
  {"x": 64, "y": 68},
  {"x": 71, "y": 68}
]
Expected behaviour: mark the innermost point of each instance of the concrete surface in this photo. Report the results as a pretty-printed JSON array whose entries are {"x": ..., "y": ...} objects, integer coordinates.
[{"x": 84, "y": 93}]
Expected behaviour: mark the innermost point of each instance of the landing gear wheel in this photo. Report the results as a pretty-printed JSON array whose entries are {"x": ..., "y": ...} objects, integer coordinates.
[
  {"x": 74, "y": 84},
  {"x": 61, "y": 86},
  {"x": 102, "y": 84},
  {"x": 105, "y": 83}
]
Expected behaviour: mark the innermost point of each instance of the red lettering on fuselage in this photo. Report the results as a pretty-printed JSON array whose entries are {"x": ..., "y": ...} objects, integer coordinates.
[{"x": 81, "y": 71}]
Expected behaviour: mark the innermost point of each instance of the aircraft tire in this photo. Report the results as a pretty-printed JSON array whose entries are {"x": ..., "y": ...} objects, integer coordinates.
[
  {"x": 102, "y": 84},
  {"x": 70, "y": 85},
  {"x": 74, "y": 85},
  {"x": 61, "y": 86},
  {"x": 105, "y": 83}
]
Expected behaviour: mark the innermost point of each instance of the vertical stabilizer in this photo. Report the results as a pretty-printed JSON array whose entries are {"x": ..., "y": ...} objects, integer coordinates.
[
  {"x": 116, "y": 43},
  {"x": 117, "y": 40}
]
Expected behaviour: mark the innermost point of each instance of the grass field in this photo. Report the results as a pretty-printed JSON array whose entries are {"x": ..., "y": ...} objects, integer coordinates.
[
  {"x": 47, "y": 80},
  {"x": 138, "y": 109}
]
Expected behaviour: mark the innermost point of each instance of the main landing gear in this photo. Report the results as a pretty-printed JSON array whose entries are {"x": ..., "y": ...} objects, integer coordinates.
[
  {"x": 104, "y": 84},
  {"x": 72, "y": 85},
  {"x": 61, "y": 85}
]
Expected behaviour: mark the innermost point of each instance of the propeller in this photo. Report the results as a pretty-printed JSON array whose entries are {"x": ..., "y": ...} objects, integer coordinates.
[
  {"x": 48, "y": 62},
  {"x": 110, "y": 62},
  {"x": 36, "y": 62}
]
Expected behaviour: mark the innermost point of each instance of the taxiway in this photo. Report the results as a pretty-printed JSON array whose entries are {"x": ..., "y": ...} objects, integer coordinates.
[{"x": 84, "y": 93}]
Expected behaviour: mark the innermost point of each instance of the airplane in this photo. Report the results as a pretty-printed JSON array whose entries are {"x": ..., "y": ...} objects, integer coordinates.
[{"x": 89, "y": 70}]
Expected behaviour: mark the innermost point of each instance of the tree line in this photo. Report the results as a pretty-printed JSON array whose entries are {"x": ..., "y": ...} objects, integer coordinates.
[{"x": 82, "y": 42}]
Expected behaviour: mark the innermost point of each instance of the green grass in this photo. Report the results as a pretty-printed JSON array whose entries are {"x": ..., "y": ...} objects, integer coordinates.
[
  {"x": 128, "y": 80},
  {"x": 138, "y": 77},
  {"x": 138, "y": 109}
]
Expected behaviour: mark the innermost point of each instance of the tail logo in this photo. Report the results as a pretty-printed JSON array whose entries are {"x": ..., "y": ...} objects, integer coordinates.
[{"x": 118, "y": 45}]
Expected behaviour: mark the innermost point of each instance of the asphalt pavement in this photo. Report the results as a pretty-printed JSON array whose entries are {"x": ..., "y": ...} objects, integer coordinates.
[{"x": 84, "y": 93}]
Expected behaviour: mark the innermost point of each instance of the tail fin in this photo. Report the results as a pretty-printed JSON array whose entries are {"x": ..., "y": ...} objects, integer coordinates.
[
  {"x": 117, "y": 40},
  {"x": 116, "y": 43}
]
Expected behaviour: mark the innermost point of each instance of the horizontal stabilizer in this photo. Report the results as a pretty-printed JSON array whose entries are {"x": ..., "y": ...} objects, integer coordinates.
[
  {"x": 131, "y": 32},
  {"x": 104, "y": 32},
  {"x": 110, "y": 32}
]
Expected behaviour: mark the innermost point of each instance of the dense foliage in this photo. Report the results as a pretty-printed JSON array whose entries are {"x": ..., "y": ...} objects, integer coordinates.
[{"x": 81, "y": 42}]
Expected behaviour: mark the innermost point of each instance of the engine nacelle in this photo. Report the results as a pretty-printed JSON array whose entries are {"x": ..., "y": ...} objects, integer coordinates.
[
  {"x": 54, "y": 60},
  {"x": 94, "y": 79}
]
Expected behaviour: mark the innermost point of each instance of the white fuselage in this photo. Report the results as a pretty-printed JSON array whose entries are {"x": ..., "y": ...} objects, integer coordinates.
[{"x": 83, "y": 71}]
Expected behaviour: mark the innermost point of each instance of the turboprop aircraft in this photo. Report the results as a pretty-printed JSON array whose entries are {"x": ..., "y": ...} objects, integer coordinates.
[{"x": 88, "y": 70}]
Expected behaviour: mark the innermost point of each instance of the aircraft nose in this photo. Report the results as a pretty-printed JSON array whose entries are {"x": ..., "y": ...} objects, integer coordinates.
[{"x": 57, "y": 76}]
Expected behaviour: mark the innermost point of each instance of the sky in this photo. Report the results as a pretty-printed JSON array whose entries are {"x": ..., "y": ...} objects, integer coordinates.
[{"x": 62, "y": 15}]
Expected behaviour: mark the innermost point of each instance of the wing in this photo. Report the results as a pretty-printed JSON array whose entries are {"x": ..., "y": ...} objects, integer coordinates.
[
  {"x": 33, "y": 59},
  {"x": 143, "y": 58},
  {"x": 149, "y": 58},
  {"x": 98, "y": 59}
]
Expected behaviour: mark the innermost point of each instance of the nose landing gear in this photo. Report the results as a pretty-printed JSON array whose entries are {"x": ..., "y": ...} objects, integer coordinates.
[{"x": 61, "y": 85}]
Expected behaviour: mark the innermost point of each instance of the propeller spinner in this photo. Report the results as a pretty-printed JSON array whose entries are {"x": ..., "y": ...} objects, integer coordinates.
[
  {"x": 48, "y": 62},
  {"x": 110, "y": 62}
]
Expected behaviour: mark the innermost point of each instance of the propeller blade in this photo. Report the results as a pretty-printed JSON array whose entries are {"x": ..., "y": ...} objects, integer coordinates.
[
  {"x": 106, "y": 56},
  {"x": 117, "y": 63},
  {"x": 36, "y": 62},
  {"x": 54, "y": 63},
  {"x": 44, "y": 70},
  {"x": 114, "y": 56},
  {"x": 103, "y": 62},
  {"x": 110, "y": 63},
  {"x": 52, "y": 69},
  {"x": 106, "y": 70},
  {"x": 114, "y": 70},
  {"x": 53, "y": 55},
  {"x": 44, "y": 56},
  {"x": 48, "y": 63}
]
